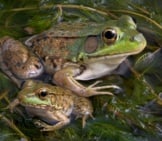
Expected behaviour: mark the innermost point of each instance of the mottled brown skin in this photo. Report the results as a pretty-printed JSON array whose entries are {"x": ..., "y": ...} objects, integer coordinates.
[
  {"x": 52, "y": 105},
  {"x": 53, "y": 51},
  {"x": 17, "y": 61}
]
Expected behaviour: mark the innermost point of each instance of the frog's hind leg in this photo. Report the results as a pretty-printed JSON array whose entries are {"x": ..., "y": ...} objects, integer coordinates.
[{"x": 83, "y": 109}]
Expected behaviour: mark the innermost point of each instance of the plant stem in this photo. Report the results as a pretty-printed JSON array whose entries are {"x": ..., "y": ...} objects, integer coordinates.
[
  {"x": 13, "y": 126},
  {"x": 138, "y": 14}
]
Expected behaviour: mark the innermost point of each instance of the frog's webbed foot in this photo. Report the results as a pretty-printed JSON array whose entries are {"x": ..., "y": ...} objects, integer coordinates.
[
  {"x": 66, "y": 78},
  {"x": 43, "y": 126}
]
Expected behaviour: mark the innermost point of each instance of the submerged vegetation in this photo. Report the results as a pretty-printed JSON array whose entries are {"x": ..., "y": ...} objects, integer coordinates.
[{"x": 130, "y": 115}]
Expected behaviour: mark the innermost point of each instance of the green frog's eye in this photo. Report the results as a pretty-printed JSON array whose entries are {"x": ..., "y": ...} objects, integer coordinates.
[{"x": 109, "y": 36}]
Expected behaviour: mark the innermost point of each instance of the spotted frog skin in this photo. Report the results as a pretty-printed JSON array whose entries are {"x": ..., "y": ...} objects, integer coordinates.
[
  {"x": 17, "y": 61},
  {"x": 53, "y": 105},
  {"x": 85, "y": 51}
]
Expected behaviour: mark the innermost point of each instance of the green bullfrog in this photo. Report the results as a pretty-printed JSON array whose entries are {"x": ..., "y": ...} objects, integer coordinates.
[
  {"x": 53, "y": 105},
  {"x": 71, "y": 52}
]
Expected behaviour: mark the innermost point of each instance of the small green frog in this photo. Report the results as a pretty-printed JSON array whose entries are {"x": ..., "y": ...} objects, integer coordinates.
[{"x": 53, "y": 105}]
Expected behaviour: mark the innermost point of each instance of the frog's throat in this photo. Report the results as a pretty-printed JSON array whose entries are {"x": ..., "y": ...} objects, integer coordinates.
[{"x": 101, "y": 66}]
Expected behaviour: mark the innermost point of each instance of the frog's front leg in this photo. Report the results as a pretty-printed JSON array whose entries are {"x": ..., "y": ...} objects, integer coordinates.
[
  {"x": 66, "y": 78},
  {"x": 57, "y": 116}
]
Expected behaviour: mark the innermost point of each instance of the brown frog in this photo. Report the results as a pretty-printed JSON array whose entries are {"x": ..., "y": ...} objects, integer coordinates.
[
  {"x": 17, "y": 61},
  {"x": 53, "y": 105}
]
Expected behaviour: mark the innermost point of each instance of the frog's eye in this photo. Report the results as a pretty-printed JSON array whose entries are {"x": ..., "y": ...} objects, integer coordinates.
[
  {"x": 109, "y": 36},
  {"x": 42, "y": 94}
]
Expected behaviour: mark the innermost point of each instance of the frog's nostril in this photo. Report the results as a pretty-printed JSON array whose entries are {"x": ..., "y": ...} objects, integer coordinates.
[
  {"x": 139, "y": 38},
  {"x": 38, "y": 66}
]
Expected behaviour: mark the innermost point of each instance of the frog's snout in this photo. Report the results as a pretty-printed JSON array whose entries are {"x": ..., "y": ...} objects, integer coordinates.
[
  {"x": 37, "y": 68},
  {"x": 141, "y": 41},
  {"x": 33, "y": 68},
  {"x": 139, "y": 38},
  {"x": 38, "y": 65}
]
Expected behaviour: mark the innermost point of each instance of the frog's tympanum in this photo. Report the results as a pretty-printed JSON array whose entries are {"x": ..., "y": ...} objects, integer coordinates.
[
  {"x": 85, "y": 51},
  {"x": 53, "y": 105}
]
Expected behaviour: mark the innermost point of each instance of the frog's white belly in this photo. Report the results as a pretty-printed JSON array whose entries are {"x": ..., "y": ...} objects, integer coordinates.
[{"x": 100, "y": 67}]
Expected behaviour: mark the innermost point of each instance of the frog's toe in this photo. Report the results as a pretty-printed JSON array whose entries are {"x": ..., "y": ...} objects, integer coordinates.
[
  {"x": 100, "y": 90},
  {"x": 41, "y": 125}
]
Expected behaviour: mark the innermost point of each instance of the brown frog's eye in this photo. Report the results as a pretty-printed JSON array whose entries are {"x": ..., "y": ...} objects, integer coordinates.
[
  {"x": 109, "y": 36},
  {"x": 42, "y": 94}
]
